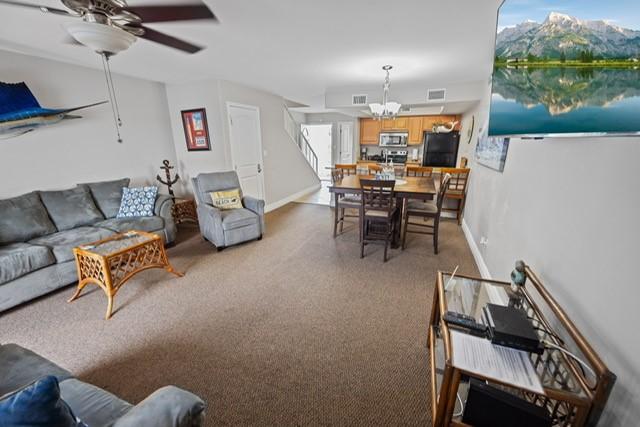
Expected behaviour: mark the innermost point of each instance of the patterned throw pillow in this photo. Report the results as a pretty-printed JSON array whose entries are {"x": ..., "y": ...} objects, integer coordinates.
[
  {"x": 37, "y": 404},
  {"x": 138, "y": 201},
  {"x": 229, "y": 199}
]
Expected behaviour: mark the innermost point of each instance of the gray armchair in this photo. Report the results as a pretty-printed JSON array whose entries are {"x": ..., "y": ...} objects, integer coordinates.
[{"x": 226, "y": 227}]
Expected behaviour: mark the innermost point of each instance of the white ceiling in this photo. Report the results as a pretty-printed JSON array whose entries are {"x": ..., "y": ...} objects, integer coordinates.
[{"x": 299, "y": 49}]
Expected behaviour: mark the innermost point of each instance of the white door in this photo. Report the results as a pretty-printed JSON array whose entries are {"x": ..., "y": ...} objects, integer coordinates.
[
  {"x": 246, "y": 148},
  {"x": 346, "y": 142}
]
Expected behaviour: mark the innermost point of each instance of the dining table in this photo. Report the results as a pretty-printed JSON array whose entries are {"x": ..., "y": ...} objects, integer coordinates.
[{"x": 408, "y": 187}]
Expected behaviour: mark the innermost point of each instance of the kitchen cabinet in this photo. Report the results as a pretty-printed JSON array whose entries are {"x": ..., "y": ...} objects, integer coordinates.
[
  {"x": 401, "y": 123},
  {"x": 416, "y": 126},
  {"x": 415, "y": 130},
  {"x": 369, "y": 131},
  {"x": 388, "y": 124},
  {"x": 397, "y": 124}
]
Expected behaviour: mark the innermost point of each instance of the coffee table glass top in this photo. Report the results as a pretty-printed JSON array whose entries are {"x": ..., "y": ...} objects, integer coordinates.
[{"x": 118, "y": 242}]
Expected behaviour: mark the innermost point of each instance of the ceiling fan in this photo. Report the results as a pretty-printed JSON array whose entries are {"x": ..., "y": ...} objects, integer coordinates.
[{"x": 111, "y": 26}]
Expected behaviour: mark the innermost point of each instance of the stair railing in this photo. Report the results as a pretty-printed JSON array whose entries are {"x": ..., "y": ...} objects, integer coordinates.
[{"x": 293, "y": 128}]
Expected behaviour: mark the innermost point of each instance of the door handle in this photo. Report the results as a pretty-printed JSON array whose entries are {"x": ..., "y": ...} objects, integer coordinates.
[{"x": 259, "y": 168}]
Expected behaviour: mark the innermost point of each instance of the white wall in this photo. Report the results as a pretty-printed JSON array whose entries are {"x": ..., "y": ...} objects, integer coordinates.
[
  {"x": 282, "y": 158},
  {"x": 191, "y": 163},
  {"x": 334, "y": 119},
  {"x": 83, "y": 150},
  {"x": 570, "y": 209}
]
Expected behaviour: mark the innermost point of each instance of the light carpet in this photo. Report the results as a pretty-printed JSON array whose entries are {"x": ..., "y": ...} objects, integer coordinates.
[{"x": 295, "y": 329}]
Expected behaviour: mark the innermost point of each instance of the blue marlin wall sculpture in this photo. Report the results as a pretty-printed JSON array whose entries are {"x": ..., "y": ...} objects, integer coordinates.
[{"x": 20, "y": 111}]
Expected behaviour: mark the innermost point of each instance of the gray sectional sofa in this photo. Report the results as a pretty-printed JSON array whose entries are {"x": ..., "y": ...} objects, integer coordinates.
[
  {"x": 39, "y": 230},
  {"x": 168, "y": 406}
]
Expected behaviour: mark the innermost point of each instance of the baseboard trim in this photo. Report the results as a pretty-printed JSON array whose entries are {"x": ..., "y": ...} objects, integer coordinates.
[
  {"x": 275, "y": 205},
  {"x": 477, "y": 256}
]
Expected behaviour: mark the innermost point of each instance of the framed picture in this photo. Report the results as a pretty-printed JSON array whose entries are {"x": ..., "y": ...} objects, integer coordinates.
[
  {"x": 491, "y": 151},
  {"x": 196, "y": 130}
]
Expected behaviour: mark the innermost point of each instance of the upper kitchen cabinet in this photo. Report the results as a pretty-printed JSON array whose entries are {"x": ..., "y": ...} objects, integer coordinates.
[
  {"x": 369, "y": 131},
  {"x": 388, "y": 124},
  {"x": 399, "y": 123},
  {"x": 415, "y": 130}
]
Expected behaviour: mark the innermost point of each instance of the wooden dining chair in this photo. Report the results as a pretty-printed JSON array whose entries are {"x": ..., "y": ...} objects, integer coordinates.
[
  {"x": 421, "y": 171},
  {"x": 457, "y": 189},
  {"x": 346, "y": 168},
  {"x": 378, "y": 210},
  {"x": 429, "y": 211},
  {"x": 373, "y": 169},
  {"x": 344, "y": 202}
]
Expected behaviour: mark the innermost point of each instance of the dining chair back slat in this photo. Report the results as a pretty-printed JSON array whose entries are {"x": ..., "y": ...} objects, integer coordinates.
[
  {"x": 459, "y": 178},
  {"x": 336, "y": 175},
  {"x": 347, "y": 168},
  {"x": 427, "y": 211},
  {"x": 377, "y": 194},
  {"x": 457, "y": 189},
  {"x": 423, "y": 171},
  {"x": 378, "y": 211}
]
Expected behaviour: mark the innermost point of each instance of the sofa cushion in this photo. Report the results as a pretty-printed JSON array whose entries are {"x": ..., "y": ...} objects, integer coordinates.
[
  {"x": 236, "y": 218},
  {"x": 107, "y": 195},
  {"x": 71, "y": 208},
  {"x": 138, "y": 201},
  {"x": 63, "y": 242},
  {"x": 143, "y": 223},
  {"x": 91, "y": 404},
  {"x": 38, "y": 404},
  {"x": 18, "y": 259},
  {"x": 23, "y": 218},
  {"x": 19, "y": 367}
]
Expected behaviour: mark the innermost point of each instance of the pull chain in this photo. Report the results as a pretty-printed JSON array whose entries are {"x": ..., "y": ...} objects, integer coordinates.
[{"x": 112, "y": 94}]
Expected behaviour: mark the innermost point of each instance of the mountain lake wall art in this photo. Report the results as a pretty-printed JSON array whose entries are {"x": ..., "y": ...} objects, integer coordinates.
[{"x": 570, "y": 67}]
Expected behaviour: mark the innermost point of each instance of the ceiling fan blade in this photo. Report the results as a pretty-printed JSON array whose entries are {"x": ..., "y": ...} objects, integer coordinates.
[
  {"x": 167, "y": 40},
  {"x": 172, "y": 13},
  {"x": 45, "y": 9}
]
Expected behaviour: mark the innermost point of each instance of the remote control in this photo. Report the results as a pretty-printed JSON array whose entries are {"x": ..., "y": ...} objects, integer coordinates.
[{"x": 466, "y": 322}]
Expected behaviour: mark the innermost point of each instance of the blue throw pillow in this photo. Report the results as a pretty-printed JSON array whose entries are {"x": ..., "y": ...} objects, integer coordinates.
[
  {"x": 138, "y": 201},
  {"x": 38, "y": 404}
]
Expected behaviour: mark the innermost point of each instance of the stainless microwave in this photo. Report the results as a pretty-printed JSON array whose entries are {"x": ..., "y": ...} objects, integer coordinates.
[{"x": 394, "y": 139}]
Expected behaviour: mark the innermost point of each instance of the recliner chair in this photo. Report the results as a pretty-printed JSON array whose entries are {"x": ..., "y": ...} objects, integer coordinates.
[{"x": 226, "y": 227}]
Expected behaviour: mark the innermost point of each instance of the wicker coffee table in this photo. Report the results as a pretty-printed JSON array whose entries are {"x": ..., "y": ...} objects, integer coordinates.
[{"x": 110, "y": 262}]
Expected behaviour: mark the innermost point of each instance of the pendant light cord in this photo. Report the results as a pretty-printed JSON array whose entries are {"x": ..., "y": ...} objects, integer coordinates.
[{"x": 112, "y": 94}]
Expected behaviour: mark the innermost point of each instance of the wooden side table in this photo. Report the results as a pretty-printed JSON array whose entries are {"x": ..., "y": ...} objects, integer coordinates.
[
  {"x": 111, "y": 262},
  {"x": 571, "y": 395},
  {"x": 184, "y": 210}
]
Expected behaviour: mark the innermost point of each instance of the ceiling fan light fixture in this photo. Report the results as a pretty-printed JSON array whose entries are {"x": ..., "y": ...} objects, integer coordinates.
[{"x": 101, "y": 38}]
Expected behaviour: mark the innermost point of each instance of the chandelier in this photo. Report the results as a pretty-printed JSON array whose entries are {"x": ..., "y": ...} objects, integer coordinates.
[{"x": 386, "y": 110}]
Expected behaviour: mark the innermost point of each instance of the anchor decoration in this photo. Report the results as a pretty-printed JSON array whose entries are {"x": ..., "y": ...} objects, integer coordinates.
[{"x": 168, "y": 182}]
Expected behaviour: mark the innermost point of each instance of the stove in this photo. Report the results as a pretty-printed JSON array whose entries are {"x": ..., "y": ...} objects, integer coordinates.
[{"x": 396, "y": 156}]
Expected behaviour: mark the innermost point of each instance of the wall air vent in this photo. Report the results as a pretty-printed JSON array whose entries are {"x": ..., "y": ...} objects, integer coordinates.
[
  {"x": 405, "y": 108},
  {"x": 358, "y": 99},
  {"x": 436, "y": 94}
]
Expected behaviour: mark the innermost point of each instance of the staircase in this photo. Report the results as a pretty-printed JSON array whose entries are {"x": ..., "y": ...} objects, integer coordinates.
[{"x": 294, "y": 130}]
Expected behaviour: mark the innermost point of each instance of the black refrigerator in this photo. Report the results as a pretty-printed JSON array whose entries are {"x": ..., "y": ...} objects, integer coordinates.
[{"x": 440, "y": 149}]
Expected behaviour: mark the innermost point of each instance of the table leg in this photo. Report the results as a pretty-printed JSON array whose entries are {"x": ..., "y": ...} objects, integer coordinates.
[
  {"x": 107, "y": 316},
  {"x": 170, "y": 269},
  {"x": 395, "y": 241}
]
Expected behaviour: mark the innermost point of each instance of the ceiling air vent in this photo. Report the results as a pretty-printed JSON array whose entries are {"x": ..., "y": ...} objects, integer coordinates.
[
  {"x": 436, "y": 94},
  {"x": 358, "y": 99}
]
